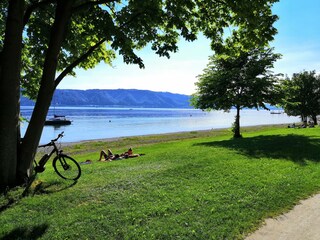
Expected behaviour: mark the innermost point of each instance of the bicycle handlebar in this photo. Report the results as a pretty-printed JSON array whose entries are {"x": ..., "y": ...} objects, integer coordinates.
[{"x": 60, "y": 135}]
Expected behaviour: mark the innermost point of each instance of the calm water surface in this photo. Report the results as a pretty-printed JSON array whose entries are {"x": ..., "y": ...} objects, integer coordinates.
[{"x": 89, "y": 123}]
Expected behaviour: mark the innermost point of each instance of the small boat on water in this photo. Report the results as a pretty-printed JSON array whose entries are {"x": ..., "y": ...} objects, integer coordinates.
[
  {"x": 276, "y": 112},
  {"x": 58, "y": 120}
]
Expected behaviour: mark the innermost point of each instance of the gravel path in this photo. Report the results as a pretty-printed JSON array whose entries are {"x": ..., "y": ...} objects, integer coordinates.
[{"x": 302, "y": 222}]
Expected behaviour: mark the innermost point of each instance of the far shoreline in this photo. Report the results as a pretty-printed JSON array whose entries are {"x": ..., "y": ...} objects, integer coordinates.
[{"x": 177, "y": 135}]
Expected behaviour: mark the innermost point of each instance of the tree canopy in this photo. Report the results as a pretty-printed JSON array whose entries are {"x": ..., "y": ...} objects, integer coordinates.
[
  {"x": 238, "y": 78},
  {"x": 301, "y": 95},
  {"x": 42, "y": 41},
  {"x": 97, "y": 30}
]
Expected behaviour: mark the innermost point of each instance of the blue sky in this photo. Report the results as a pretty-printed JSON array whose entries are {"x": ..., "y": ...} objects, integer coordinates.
[{"x": 298, "y": 40}]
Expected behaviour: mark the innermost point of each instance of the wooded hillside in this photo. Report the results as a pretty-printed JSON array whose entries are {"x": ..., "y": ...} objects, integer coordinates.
[{"x": 119, "y": 98}]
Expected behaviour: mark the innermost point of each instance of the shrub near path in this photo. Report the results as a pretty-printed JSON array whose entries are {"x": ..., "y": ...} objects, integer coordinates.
[{"x": 197, "y": 187}]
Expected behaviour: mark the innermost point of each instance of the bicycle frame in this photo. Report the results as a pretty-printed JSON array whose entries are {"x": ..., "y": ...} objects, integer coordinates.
[{"x": 54, "y": 150}]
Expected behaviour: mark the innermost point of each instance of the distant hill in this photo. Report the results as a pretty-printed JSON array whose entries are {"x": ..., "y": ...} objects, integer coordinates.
[{"x": 116, "y": 98}]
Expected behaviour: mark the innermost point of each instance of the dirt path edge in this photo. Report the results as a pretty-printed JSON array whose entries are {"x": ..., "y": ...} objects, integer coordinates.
[{"x": 302, "y": 222}]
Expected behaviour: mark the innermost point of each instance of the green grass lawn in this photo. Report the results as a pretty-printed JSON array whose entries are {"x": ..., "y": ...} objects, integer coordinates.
[{"x": 197, "y": 185}]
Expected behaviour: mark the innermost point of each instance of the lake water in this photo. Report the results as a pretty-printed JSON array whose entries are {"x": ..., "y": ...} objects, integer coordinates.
[{"x": 89, "y": 123}]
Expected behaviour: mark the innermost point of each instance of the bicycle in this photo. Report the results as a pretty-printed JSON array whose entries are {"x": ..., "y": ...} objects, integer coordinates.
[{"x": 65, "y": 166}]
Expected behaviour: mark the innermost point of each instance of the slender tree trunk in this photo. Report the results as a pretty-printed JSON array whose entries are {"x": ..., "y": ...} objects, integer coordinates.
[
  {"x": 315, "y": 120},
  {"x": 47, "y": 87},
  {"x": 10, "y": 68},
  {"x": 236, "y": 133}
]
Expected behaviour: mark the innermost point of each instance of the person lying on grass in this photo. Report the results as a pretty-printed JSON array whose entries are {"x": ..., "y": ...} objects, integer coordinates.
[{"x": 110, "y": 156}]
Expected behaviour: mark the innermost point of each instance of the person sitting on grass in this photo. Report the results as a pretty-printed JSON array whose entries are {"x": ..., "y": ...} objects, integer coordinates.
[
  {"x": 110, "y": 156},
  {"x": 311, "y": 124}
]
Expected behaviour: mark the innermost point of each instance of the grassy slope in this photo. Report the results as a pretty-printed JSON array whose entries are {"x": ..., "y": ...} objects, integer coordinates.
[{"x": 196, "y": 187}]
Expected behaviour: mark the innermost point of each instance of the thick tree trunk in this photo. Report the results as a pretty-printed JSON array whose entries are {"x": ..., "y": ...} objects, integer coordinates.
[
  {"x": 10, "y": 68},
  {"x": 47, "y": 87},
  {"x": 236, "y": 133}
]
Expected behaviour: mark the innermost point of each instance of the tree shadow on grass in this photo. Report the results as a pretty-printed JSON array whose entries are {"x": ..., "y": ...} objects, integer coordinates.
[
  {"x": 52, "y": 187},
  {"x": 9, "y": 199},
  {"x": 296, "y": 148},
  {"x": 39, "y": 187},
  {"x": 25, "y": 233},
  {"x": 8, "y": 204}
]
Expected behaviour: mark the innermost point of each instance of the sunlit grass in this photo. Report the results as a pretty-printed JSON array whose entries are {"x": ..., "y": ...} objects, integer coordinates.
[{"x": 190, "y": 186}]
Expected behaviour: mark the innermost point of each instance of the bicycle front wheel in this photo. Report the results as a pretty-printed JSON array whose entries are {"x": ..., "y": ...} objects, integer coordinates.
[{"x": 66, "y": 167}]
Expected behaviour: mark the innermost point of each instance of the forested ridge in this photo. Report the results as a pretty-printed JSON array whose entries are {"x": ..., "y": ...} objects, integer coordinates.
[{"x": 116, "y": 97}]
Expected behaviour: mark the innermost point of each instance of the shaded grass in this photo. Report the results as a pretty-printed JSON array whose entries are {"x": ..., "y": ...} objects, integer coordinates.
[
  {"x": 274, "y": 147},
  {"x": 199, "y": 187}
]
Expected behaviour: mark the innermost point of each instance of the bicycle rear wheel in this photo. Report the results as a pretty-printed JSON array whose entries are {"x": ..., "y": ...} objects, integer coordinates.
[{"x": 66, "y": 167}]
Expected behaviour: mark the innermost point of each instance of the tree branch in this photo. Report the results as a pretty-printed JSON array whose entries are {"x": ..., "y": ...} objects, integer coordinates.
[
  {"x": 33, "y": 7},
  {"x": 91, "y": 3},
  {"x": 68, "y": 69}
]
